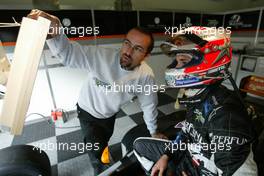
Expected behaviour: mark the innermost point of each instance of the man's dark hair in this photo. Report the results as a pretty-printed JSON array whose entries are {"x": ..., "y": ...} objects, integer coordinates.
[{"x": 148, "y": 33}]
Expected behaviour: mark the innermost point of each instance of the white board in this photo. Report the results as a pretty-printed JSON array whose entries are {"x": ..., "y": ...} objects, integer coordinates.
[{"x": 4, "y": 66}]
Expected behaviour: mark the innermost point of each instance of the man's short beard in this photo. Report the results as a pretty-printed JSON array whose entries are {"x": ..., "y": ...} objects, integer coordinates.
[{"x": 126, "y": 67}]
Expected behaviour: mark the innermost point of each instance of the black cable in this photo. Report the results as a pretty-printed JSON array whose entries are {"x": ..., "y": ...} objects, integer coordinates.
[{"x": 229, "y": 76}]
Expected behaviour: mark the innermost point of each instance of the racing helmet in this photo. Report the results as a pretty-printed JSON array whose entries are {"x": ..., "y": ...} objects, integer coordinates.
[{"x": 201, "y": 56}]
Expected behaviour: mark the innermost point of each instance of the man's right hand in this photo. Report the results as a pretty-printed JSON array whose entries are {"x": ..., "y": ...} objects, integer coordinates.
[
  {"x": 55, "y": 22},
  {"x": 160, "y": 167}
]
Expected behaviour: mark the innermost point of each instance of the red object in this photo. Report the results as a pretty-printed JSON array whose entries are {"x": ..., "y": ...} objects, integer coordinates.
[
  {"x": 253, "y": 84},
  {"x": 195, "y": 162},
  {"x": 54, "y": 115},
  {"x": 59, "y": 113}
]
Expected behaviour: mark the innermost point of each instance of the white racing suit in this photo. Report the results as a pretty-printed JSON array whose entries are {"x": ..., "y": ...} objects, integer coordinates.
[{"x": 214, "y": 140}]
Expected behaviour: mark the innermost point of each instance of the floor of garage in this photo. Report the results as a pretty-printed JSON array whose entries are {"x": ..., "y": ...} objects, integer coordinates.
[{"x": 75, "y": 162}]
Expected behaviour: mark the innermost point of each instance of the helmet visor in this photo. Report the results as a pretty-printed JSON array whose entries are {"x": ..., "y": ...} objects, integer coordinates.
[{"x": 184, "y": 52}]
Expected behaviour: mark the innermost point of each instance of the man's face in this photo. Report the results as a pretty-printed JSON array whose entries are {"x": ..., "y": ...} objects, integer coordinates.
[
  {"x": 182, "y": 59},
  {"x": 134, "y": 49}
]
